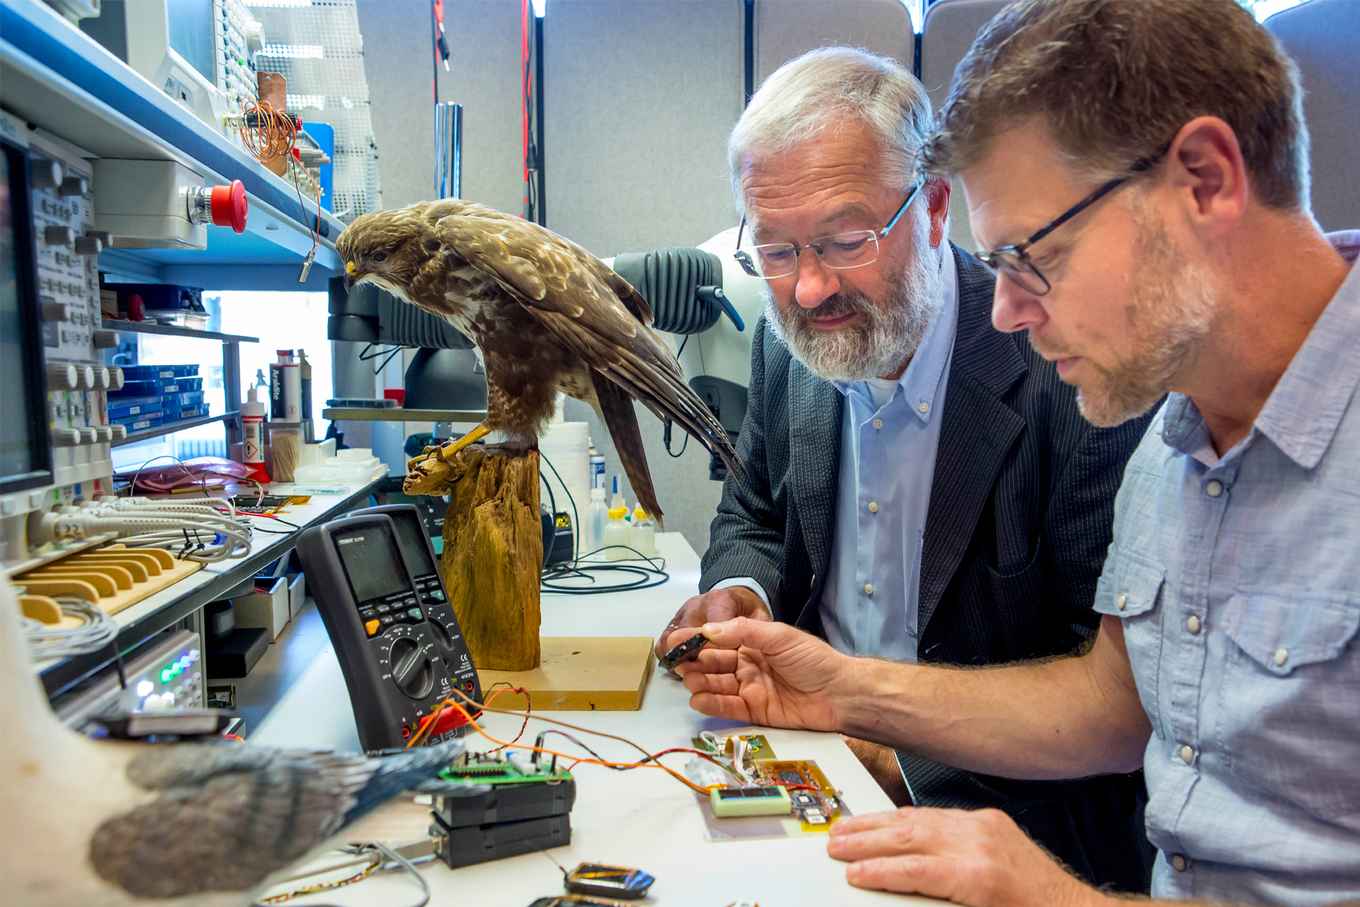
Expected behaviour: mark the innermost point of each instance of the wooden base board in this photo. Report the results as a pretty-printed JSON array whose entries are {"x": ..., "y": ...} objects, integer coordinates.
[
  {"x": 114, "y": 578},
  {"x": 581, "y": 674}
]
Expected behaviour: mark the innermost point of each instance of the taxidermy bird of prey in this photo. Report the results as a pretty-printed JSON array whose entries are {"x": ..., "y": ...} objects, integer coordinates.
[
  {"x": 546, "y": 315},
  {"x": 118, "y": 824}
]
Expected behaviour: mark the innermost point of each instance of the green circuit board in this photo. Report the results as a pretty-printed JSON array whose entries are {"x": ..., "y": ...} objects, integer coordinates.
[{"x": 496, "y": 770}]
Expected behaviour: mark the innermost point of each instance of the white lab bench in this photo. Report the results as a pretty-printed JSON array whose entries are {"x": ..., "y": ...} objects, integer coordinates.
[{"x": 642, "y": 818}]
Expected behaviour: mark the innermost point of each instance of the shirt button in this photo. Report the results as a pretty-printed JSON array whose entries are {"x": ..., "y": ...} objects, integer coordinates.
[
  {"x": 1187, "y": 753},
  {"x": 923, "y": 407},
  {"x": 1214, "y": 488},
  {"x": 878, "y": 425},
  {"x": 873, "y": 506},
  {"x": 1179, "y": 862},
  {"x": 1192, "y": 624},
  {"x": 869, "y": 590},
  {"x": 1121, "y": 601},
  {"x": 1281, "y": 656}
]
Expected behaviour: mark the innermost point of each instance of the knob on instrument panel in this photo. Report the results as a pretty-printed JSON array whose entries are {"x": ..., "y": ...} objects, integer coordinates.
[
  {"x": 411, "y": 670},
  {"x": 45, "y": 173}
]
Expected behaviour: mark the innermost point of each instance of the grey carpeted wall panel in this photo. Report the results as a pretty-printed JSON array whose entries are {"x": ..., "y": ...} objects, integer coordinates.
[
  {"x": 787, "y": 28},
  {"x": 640, "y": 96}
]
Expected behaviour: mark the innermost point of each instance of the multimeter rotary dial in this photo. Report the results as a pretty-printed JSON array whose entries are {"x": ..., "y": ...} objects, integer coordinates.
[{"x": 405, "y": 656}]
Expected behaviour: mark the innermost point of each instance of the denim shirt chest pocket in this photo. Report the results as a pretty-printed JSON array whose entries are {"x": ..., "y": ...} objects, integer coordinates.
[
  {"x": 1289, "y": 697},
  {"x": 1135, "y": 598}
]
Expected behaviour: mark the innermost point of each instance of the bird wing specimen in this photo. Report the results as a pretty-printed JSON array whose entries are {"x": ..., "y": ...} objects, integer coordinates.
[
  {"x": 224, "y": 816},
  {"x": 599, "y": 317}
]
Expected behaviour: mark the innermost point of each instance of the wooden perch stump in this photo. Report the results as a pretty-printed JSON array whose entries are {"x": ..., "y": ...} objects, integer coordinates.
[{"x": 493, "y": 549}]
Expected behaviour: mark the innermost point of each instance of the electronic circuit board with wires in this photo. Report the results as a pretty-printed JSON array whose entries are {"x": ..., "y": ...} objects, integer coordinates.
[
  {"x": 734, "y": 810},
  {"x": 482, "y": 790},
  {"x": 499, "y": 769}
]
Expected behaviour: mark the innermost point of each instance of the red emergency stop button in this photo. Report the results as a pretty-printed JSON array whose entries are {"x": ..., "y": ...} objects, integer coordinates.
[{"x": 228, "y": 206}]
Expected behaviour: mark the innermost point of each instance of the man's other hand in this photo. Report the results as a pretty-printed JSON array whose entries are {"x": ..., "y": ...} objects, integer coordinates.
[
  {"x": 975, "y": 858},
  {"x": 713, "y": 606}
]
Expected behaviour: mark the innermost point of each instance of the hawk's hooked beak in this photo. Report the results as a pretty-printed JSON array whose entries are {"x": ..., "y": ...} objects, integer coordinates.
[{"x": 351, "y": 269}]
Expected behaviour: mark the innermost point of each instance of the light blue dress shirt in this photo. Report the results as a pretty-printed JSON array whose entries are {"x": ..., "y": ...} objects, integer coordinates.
[
  {"x": 890, "y": 431},
  {"x": 1238, "y": 583}
]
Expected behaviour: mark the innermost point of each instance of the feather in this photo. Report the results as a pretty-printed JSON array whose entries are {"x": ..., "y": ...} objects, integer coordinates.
[
  {"x": 617, "y": 412},
  {"x": 266, "y": 807}
]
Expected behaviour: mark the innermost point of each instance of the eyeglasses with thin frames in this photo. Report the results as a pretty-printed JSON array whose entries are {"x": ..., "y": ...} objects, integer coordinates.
[
  {"x": 1013, "y": 261},
  {"x": 838, "y": 251}
]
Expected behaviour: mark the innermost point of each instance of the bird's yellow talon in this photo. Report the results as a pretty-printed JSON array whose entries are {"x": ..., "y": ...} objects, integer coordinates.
[{"x": 448, "y": 451}]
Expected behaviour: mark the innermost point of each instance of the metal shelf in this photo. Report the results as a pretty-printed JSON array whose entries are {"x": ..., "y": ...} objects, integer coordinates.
[
  {"x": 147, "y": 434},
  {"x": 398, "y": 414},
  {"x": 144, "y": 620},
  {"x": 171, "y": 330},
  {"x": 58, "y": 78}
]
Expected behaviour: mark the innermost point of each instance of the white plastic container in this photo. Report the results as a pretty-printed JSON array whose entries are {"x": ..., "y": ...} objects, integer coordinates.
[
  {"x": 597, "y": 517},
  {"x": 617, "y": 532},
  {"x": 643, "y": 533},
  {"x": 351, "y": 466},
  {"x": 252, "y": 436},
  {"x": 566, "y": 446},
  {"x": 596, "y": 466}
]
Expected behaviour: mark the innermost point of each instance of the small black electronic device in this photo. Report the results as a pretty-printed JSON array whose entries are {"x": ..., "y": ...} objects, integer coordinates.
[
  {"x": 571, "y": 900},
  {"x": 609, "y": 881},
  {"x": 396, "y": 637},
  {"x": 473, "y": 844},
  {"x": 684, "y": 651},
  {"x": 557, "y": 538},
  {"x": 162, "y": 724},
  {"x": 482, "y": 789},
  {"x": 419, "y": 554}
]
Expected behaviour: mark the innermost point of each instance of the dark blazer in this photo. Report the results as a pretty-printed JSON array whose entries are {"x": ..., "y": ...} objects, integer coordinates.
[{"x": 1018, "y": 523}]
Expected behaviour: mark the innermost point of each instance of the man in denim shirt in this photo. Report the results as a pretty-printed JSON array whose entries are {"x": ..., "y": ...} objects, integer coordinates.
[{"x": 1139, "y": 171}]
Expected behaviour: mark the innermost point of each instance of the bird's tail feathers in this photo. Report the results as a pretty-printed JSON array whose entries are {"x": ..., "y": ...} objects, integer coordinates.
[
  {"x": 684, "y": 407},
  {"x": 616, "y": 408}
]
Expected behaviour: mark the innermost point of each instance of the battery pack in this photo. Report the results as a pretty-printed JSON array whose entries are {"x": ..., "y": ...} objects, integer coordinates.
[
  {"x": 483, "y": 843},
  {"x": 476, "y": 804}
]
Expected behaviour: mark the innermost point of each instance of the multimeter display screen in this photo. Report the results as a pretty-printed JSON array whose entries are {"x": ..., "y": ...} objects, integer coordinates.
[
  {"x": 372, "y": 562},
  {"x": 411, "y": 536}
]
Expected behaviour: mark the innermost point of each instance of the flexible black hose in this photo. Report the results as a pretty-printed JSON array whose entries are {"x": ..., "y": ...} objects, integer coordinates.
[{"x": 670, "y": 280}]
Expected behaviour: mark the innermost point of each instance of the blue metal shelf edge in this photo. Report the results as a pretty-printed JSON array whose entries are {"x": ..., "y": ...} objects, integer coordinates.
[{"x": 70, "y": 55}]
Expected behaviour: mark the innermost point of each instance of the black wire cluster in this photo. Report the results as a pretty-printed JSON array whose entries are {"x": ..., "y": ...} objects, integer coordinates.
[{"x": 646, "y": 572}]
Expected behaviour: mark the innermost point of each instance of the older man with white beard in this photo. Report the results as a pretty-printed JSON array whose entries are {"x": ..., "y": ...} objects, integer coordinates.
[{"x": 919, "y": 487}]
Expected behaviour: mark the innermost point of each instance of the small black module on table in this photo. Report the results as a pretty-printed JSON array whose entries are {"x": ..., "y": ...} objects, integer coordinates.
[{"x": 489, "y": 807}]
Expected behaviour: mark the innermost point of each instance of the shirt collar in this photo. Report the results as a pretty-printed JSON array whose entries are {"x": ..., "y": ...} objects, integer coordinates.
[
  {"x": 923, "y": 381},
  {"x": 1304, "y": 409}
]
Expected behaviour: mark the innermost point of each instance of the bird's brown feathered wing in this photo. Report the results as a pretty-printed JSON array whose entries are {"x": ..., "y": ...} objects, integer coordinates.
[{"x": 599, "y": 316}]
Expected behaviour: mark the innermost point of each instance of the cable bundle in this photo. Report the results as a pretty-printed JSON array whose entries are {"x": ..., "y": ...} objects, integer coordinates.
[
  {"x": 267, "y": 132},
  {"x": 205, "y": 529},
  {"x": 96, "y": 630}
]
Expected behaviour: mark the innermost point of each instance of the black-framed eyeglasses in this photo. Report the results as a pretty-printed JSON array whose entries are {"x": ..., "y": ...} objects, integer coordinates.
[
  {"x": 1013, "y": 261},
  {"x": 839, "y": 251}
]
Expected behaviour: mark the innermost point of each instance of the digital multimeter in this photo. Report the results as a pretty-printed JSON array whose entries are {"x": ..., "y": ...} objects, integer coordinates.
[{"x": 395, "y": 635}]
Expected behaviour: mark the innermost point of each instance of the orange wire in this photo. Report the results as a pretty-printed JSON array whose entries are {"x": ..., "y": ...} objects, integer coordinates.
[
  {"x": 430, "y": 720},
  {"x": 579, "y": 760},
  {"x": 273, "y": 134}
]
